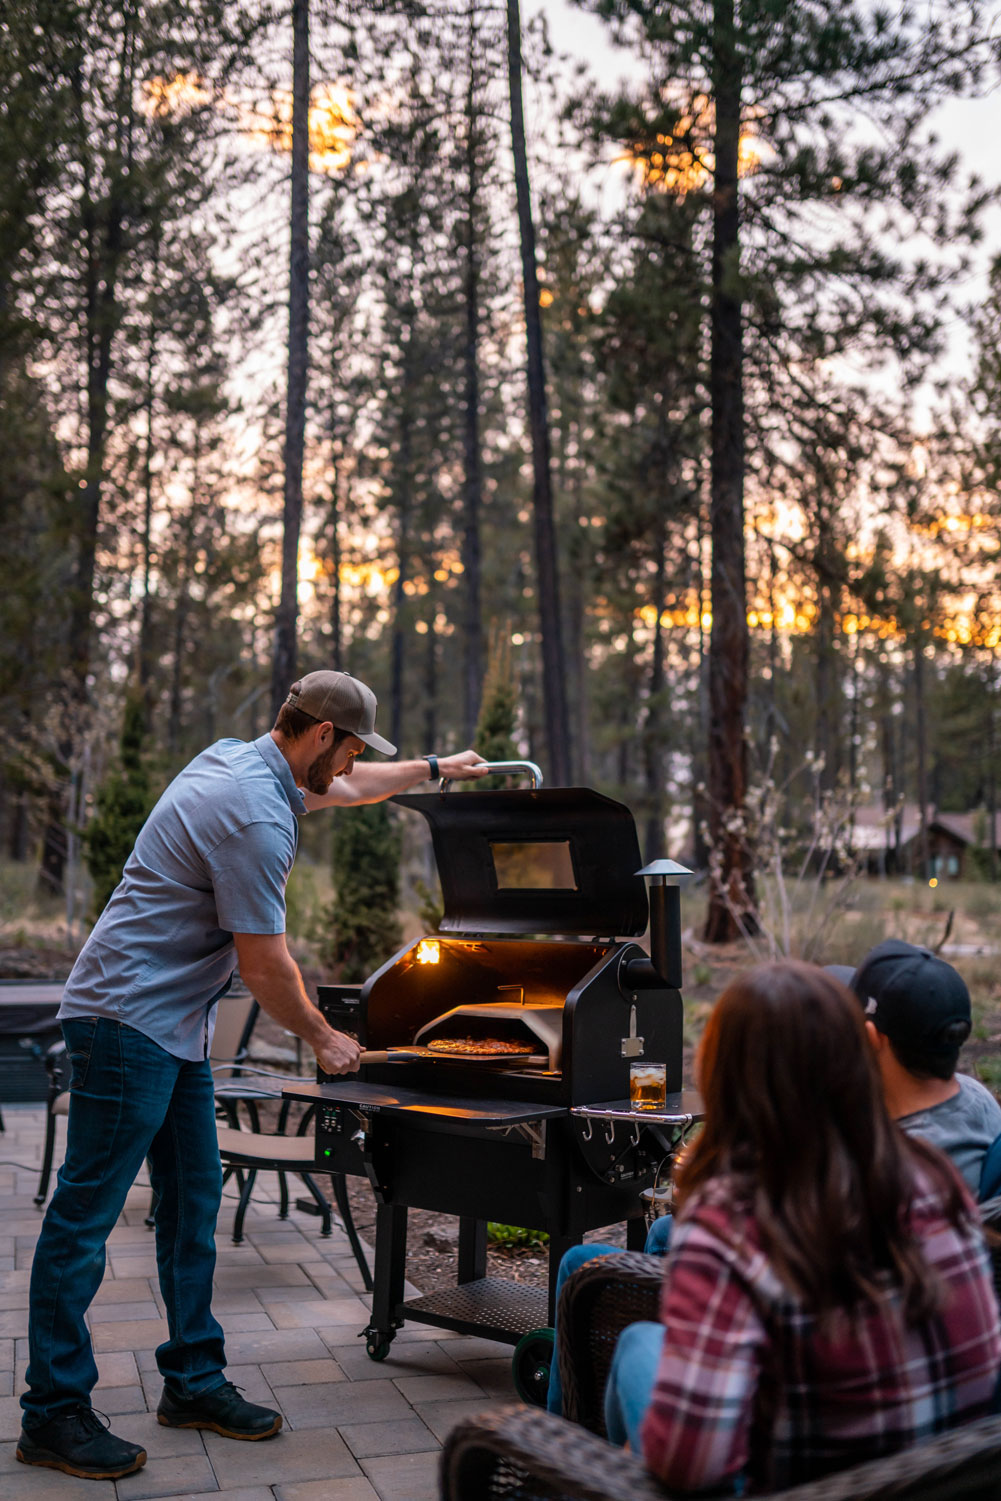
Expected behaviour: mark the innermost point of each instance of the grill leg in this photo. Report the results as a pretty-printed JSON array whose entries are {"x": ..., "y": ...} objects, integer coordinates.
[
  {"x": 559, "y": 1245},
  {"x": 636, "y": 1233},
  {"x": 472, "y": 1249},
  {"x": 390, "y": 1271},
  {"x": 344, "y": 1207}
]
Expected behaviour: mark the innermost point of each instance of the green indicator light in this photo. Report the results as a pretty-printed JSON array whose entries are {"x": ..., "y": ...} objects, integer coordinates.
[{"x": 326, "y": 1151}]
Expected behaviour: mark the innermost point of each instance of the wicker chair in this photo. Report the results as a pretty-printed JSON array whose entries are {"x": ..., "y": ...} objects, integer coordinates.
[
  {"x": 522, "y": 1454},
  {"x": 596, "y": 1304}
]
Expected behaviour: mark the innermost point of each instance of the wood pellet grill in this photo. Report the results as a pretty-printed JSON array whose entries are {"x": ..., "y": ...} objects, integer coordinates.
[{"x": 543, "y": 899}]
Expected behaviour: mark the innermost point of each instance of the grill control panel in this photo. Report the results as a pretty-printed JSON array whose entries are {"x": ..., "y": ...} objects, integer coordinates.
[{"x": 338, "y": 1140}]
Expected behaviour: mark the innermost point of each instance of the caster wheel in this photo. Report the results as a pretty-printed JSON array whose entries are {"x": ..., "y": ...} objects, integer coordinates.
[
  {"x": 533, "y": 1357},
  {"x": 377, "y": 1349}
]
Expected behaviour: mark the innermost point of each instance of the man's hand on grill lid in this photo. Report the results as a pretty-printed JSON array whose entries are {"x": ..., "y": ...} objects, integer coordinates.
[
  {"x": 372, "y": 781},
  {"x": 464, "y": 767},
  {"x": 338, "y": 1053}
]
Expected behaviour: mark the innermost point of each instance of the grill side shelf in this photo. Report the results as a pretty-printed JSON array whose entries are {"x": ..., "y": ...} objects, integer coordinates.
[
  {"x": 681, "y": 1109},
  {"x": 419, "y": 1104},
  {"x": 618, "y": 1141}
]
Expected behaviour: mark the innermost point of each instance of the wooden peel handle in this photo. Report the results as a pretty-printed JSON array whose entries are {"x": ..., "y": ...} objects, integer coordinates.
[{"x": 392, "y": 1055}]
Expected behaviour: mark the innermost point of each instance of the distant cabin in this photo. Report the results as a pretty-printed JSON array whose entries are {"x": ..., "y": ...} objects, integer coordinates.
[{"x": 890, "y": 844}]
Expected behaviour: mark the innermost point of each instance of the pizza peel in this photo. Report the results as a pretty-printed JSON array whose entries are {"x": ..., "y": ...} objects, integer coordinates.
[{"x": 416, "y": 1053}]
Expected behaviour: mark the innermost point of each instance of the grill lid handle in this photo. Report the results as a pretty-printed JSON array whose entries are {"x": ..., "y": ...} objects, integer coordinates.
[{"x": 507, "y": 769}]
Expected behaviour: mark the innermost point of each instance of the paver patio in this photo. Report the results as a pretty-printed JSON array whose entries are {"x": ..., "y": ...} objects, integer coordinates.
[{"x": 292, "y": 1305}]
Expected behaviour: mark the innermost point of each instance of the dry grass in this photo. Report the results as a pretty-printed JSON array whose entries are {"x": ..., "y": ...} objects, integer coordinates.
[{"x": 962, "y": 917}]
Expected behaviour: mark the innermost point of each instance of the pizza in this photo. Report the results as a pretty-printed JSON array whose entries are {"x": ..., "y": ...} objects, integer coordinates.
[{"x": 484, "y": 1047}]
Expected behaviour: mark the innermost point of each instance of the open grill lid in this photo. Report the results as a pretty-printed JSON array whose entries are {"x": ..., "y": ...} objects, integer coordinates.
[{"x": 553, "y": 860}]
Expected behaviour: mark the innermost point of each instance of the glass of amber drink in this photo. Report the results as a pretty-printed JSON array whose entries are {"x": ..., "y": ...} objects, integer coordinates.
[{"x": 648, "y": 1086}]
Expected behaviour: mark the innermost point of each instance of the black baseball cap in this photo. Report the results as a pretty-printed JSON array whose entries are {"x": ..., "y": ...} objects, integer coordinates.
[{"x": 913, "y": 997}]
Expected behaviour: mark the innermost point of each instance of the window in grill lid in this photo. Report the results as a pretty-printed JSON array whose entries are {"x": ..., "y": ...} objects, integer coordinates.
[{"x": 533, "y": 866}]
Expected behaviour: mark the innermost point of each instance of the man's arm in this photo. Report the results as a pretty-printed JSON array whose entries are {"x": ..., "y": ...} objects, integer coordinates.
[
  {"x": 273, "y": 978},
  {"x": 373, "y": 781}
]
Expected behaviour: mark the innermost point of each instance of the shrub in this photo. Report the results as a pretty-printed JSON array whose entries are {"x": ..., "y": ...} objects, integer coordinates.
[
  {"x": 510, "y": 1236},
  {"x": 494, "y": 738},
  {"x": 123, "y": 800},
  {"x": 363, "y": 926}
]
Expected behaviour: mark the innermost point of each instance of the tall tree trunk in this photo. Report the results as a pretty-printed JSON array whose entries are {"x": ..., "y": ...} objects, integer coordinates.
[
  {"x": 853, "y": 728},
  {"x": 698, "y": 732},
  {"x": 284, "y": 661},
  {"x": 891, "y": 778},
  {"x": 145, "y": 653},
  {"x": 397, "y": 649},
  {"x": 472, "y": 456},
  {"x": 576, "y": 617},
  {"x": 921, "y": 738},
  {"x": 827, "y": 739},
  {"x": 334, "y": 532},
  {"x": 431, "y": 677},
  {"x": 185, "y": 569},
  {"x": 991, "y": 773},
  {"x": 18, "y": 841},
  {"x": 653, "y": 729},
  {"x": 557, "y": 721},
  {"x": 176, "y": 710},
  {"x": 731, "y": 888}
]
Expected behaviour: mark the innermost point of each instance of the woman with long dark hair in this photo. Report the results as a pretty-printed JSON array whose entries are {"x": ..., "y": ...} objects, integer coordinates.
[{"x": 828, "y": 1297}]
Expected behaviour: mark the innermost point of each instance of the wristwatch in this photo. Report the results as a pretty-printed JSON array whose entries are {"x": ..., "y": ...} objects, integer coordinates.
[{"x": 433, "y": 763}]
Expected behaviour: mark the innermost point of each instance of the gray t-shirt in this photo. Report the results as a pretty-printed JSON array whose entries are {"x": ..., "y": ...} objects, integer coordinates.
[
  {"x": 211, "y": 860},
  {"x": 962, "y": 1127}
]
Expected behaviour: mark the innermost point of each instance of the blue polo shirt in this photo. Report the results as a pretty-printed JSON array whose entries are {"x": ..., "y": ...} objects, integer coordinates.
[{"x": 211, "y": 860}]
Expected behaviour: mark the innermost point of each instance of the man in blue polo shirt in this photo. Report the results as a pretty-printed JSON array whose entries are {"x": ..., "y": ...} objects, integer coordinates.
[{"x": 203, "y": 890}]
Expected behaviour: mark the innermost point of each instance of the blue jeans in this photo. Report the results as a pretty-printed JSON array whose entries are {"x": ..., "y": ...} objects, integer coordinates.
[
  {"x": 630, "y": 1382},
  {"x": 129, "y": 1100},
  {"x": 657, "y": 1242}
]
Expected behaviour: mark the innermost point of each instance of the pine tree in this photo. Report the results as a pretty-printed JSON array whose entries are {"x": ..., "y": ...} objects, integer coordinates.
[
  {"x": 494, "y": 738},
  {"x": 122, "y": 803},
  {"x": 362, "y": 927}
]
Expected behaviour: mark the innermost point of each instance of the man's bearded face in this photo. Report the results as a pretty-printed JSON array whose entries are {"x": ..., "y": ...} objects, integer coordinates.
[{"x": 320, "y": 773}]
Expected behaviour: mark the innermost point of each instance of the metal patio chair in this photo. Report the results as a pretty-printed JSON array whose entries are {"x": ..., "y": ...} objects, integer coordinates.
[{"x": 245, "y": 1153}]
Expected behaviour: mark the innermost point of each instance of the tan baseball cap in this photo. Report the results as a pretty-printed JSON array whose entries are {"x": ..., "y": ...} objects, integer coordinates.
[{"x": 343, "y": 701}]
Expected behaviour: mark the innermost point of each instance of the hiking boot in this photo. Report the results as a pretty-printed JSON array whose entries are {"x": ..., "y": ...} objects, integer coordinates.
[
  {"x": 222, "y": 1410},
  {"x": 79, "y": 1442}
]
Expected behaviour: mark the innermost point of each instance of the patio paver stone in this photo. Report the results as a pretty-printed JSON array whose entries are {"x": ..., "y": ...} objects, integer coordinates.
[{"x": 291, "y": 1305}]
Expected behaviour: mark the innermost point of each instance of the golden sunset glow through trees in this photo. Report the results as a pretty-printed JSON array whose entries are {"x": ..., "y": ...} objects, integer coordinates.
[
  {"x": 333, "y": 124},
  {"x": 683, "y": 161}
]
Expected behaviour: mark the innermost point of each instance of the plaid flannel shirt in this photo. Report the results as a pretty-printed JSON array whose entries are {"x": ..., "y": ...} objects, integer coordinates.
[{"x": 749, "y": 1385}]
